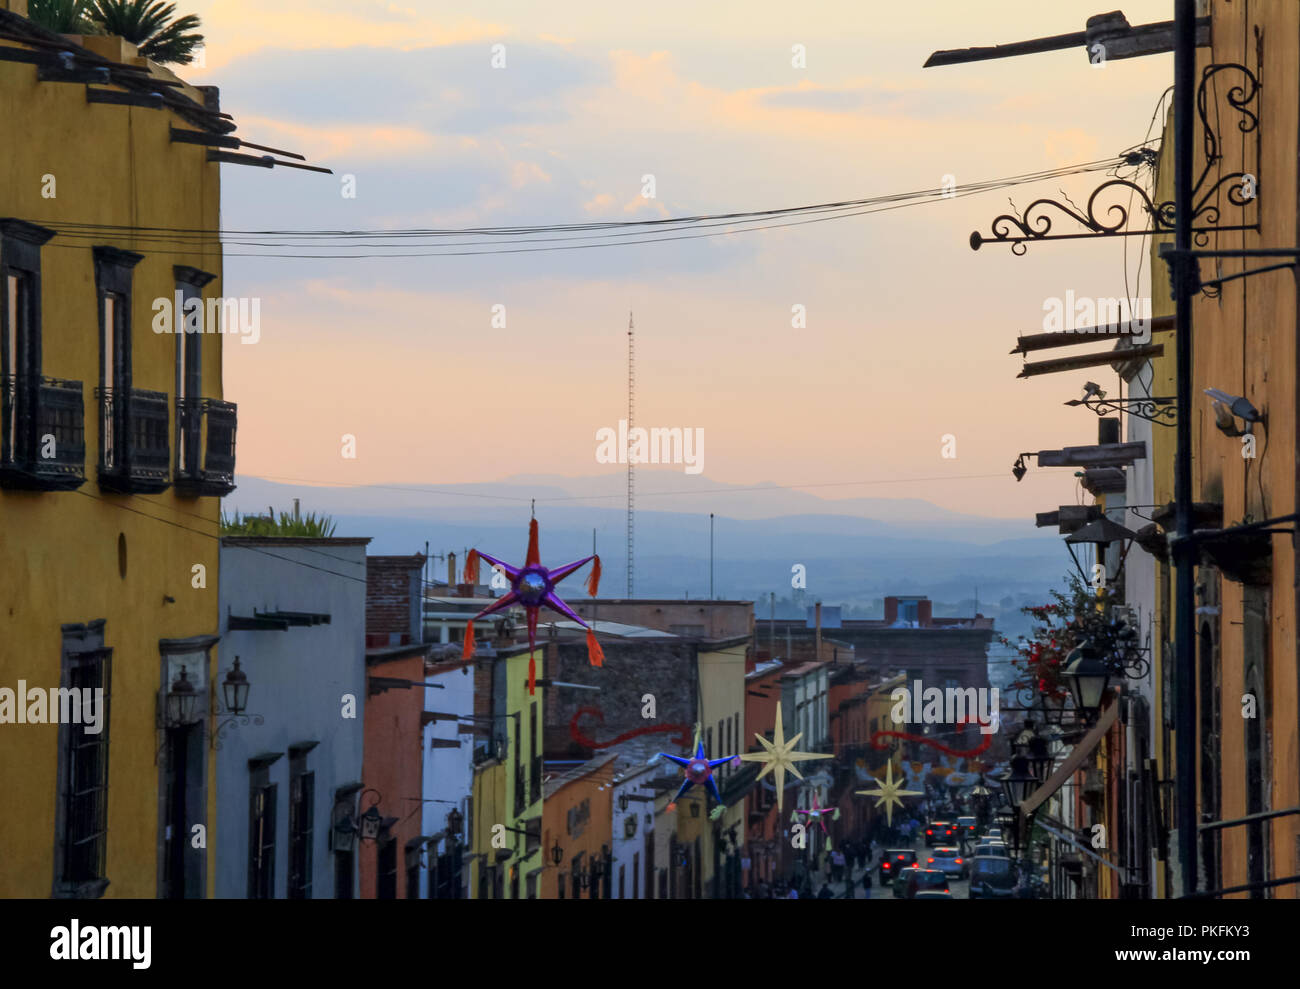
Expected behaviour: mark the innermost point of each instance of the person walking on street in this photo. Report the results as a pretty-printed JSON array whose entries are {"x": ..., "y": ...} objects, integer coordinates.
[{"x": 837, "y": 865}]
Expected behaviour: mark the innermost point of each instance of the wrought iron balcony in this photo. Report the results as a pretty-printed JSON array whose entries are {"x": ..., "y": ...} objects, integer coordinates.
[
  {"x": 42, "y": 434},
  {"x": 521, "y": 788},
  {"x": 134, "y": 452},
  {"x": 205, "y": 454}
]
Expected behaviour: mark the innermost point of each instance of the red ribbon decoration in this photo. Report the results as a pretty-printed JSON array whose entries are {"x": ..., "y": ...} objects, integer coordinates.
[{"x": 683, "y": 731}]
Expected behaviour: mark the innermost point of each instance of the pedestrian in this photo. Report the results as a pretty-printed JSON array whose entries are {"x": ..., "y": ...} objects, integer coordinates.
[
  {"x": 826, "y": 892},
  {"x": 866, "y": 884},
  {"x": 837, "y": 865},
  {"x": 793, "y": 894}
]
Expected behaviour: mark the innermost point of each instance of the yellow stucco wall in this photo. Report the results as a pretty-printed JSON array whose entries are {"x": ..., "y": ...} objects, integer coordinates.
[{"x": 59, "y": 551}]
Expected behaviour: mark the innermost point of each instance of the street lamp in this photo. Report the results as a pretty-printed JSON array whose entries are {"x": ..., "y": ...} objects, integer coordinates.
[
  {"x": 371, "y": 820},
  {"x": 557, "y": 853},
  {"x": 623, "y": 801},
  {"x": 234, "y": 689},
  {"x": 1088, "y": 677},
  {"x": 181, "y": 700},
  {"x": 454, "y": 821},
  {"x": 1021, "y": 783}
]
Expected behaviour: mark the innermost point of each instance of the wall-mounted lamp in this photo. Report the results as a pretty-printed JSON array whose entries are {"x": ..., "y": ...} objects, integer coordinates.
[
  {"x": 182, "y": 701},
  {"x": 371, "y": 821},
  {"x": 234, "y": 689},
  {"x": 1019, "y": 468}
]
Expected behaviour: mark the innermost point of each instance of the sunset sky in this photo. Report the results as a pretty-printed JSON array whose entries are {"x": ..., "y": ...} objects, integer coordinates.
[{"x": 908, "y": 330}]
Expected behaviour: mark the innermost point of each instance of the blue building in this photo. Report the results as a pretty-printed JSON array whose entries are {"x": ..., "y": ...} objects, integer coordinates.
[{"x": 289, "y": 767}]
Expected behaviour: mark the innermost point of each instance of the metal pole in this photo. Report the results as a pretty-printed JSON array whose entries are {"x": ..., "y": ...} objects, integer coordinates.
[
  {"x": 1184, "y": 550},
  {"x": 710, "y": 556}
]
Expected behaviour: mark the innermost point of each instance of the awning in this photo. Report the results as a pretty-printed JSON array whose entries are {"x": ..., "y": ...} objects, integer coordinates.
[{"x": 1072, "y": 762}]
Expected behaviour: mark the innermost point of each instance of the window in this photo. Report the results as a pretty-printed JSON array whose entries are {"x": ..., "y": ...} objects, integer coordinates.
[
  {"x": 343, "y": 875},
  {"x": 531, "y": 885},
  {"x": 189, "y": 365},
  {"x": 1255, "y": 638},
  {"x": 622, "y": 894},
  {"x": 82, "y": 822},
  {"x": 302, "y": 796},
  {"x": 560, "y": 885},
  {"x": 261, "y": 832},
  {"x": 636, "y": 876},
  {"x": 535, "y": 769}
]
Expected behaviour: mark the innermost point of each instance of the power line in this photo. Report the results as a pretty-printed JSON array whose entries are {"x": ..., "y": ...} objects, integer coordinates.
[{"x": 187, "y": 240}]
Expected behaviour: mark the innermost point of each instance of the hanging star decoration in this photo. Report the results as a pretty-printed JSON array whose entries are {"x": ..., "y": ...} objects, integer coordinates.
[
  {"x": 779, "y": 756},
  {"x": 699, "y": 769},
  {"x": 533, "y": 586},
  {"x": 817, "y": 813},
  {"x": 889, "y": 793}
]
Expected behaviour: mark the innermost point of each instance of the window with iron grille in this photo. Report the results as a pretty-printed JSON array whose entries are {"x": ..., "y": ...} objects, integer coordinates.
[
  {"x": 83, "y": 824},
  {"x": 387, "y": 880},
  {"x": 302, "y": 794},
  {"x": 261, "y": 836}
]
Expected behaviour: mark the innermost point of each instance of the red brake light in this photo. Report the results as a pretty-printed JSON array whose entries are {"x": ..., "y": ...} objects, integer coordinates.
[
  {"x": 928, "y": 831},
  {"x": 929, "y": 861},
  {"x": 900, "y": 858},
  {"x": 885, "y": 866},
  {"x": 959, "y": 861}
]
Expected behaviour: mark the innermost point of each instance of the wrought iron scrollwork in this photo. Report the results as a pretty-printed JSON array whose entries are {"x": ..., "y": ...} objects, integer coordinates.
[
  {"x": 1101, "y": 220},
  {"x": 243, "y": 719},
  {"x": 1162, "y": 411}
]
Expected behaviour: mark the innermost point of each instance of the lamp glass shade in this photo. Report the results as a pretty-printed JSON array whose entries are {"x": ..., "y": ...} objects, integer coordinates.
[
  {"x": 1021, "y": 783},
  {"x": 234, "y": 689},
  {"x": 182, "y": 700},
  {"x": 1088, "y": 678},
  {"x": 370, "y": 823}
]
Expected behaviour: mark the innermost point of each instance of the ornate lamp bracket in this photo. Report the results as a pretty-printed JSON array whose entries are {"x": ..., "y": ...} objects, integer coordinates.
[{"x": 1114, "y": 204}]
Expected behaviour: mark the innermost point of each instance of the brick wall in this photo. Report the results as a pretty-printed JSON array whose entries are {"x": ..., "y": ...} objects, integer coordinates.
[
  {"x": 631, "y": 670},
  {"x": 392, "y": 599}
]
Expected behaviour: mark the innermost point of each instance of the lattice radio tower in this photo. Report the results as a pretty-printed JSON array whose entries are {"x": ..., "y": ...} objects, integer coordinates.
[{"x": 631, "y": 383}]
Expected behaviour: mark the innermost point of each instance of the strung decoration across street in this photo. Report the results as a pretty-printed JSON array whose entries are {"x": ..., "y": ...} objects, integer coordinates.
[
  {"x": 779, "y": 756},
  {"x": 533, "y": 586},
  {"x": 699, "y": 769},
  {"x": 889, "y": 793}
]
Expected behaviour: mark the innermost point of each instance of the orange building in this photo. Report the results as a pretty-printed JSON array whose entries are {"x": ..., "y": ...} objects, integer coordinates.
[{"x": 577, "y": 828}]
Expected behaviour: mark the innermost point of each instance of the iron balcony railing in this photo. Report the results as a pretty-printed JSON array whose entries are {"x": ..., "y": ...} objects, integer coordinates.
[
  {"x": 205, "y": 451},
  {"x": 521, "y": 788},
  {"x": 42, "y": 433},
  {"x": 134, "y": 450}
]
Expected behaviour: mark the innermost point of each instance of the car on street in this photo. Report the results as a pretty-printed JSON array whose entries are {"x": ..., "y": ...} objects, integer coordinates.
[
  {"x": 940, "y": 833},
  {"x": 993, "y": 834},
  {"x": 900, "y": 881},
  {"x": 894, "y": 861},
  {"x": 948, "y": 861},
  {"x": 992, "y": 877},
  {"x": 933, "y": 894},
  {"x": 920, "y": 879},
  {"x": 967, "y": 826},
  {"x": 992, "y": 848}
]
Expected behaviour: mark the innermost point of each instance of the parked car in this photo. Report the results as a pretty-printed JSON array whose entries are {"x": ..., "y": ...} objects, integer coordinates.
[
  {"x": 894, "y": 861},
  {"x": 996, "y": 848},
  {"x": 993, "y": 834},
  {"x": 992, "y": 877},
  {"x": 967, "y": 826},
  {"x": 899, "y": 885},
  {"x": 919, "y": 879},
  {"x": 948, "y": 861},
  {"x": 933, "y": 894},
  {"x": 940, "y": 833}
]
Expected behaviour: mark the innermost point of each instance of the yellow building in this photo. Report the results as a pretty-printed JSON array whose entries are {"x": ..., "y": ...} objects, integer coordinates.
[
  {"x": 506, "y": 807},
  {"x": 115, "y": 446}
]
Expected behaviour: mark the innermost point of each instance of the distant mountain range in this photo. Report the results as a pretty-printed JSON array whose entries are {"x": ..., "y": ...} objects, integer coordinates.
[{"x": 855, "y": 550}]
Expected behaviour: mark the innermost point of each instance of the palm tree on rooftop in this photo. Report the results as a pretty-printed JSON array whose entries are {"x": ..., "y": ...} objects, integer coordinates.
[
  {"x": 63, "y": 16},
  {"x": 151, "y": 25}
]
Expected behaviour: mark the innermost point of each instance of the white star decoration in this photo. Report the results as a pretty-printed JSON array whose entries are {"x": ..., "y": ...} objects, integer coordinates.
[
  {"x": 780, "y": 756},
  {"x": 890, "y": 793}
]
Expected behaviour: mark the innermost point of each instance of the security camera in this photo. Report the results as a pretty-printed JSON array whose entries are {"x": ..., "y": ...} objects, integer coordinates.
[
  {"x": 1091, "y": 388},
  {"x": 1229, "y": 408}
]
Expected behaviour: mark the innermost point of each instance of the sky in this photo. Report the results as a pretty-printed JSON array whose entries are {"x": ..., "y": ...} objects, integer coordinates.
[{"x": 907, "y": 330}]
